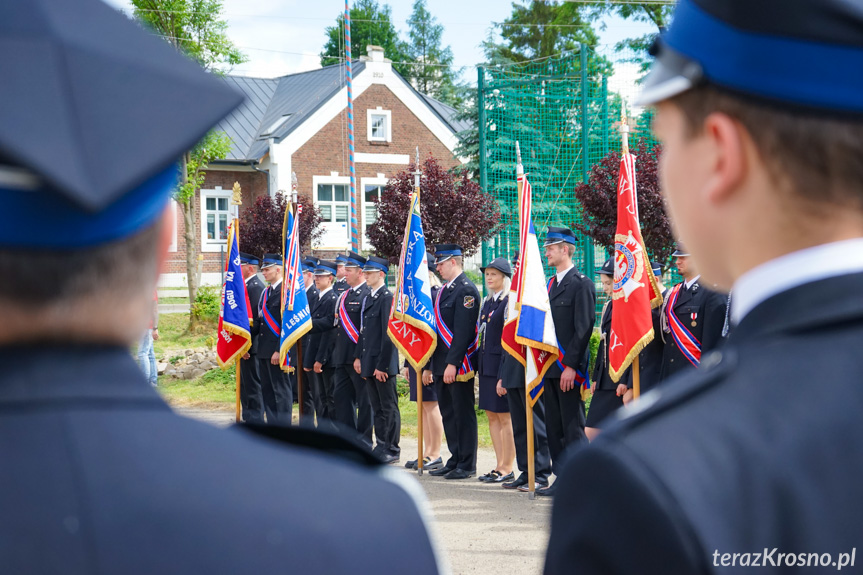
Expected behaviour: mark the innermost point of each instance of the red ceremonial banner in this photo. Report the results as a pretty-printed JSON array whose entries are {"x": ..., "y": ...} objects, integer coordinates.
[{"x": 635, "y": 288}]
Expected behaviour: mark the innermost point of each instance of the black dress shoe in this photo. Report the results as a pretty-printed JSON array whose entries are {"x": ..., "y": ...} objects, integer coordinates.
[
  {"x": 440, "y": 472},
  {"x": 489, "y": 477},
  {"x": 547, "y": 491},
  {"x": 518, "y": 482},
  {"x": 537, "y": 486},
  {"x": 432, "y": 465},
  {"x": 459, "y": 474},
  {"x": 388, "y": 457},
  {"x": 502, "y": 478},
  {"x": 412, "y": 464}
]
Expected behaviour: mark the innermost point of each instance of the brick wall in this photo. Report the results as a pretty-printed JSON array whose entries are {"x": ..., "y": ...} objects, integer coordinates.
[
  {"x": 327, "y": 151},
  {"x": 253, "y": 184}
]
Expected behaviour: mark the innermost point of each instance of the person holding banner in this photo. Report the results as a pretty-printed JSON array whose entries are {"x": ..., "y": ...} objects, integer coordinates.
[
  {"x": 432, "y": 422},
  {"x": 320, "y": 370},
  {"x": 607, "y": 395},
  {"x": 456, "y": 311},
  {"x": 311, "y": 402},
  {"x": 377, "y": 360},
  {"x": 251, "y": 396},
  {"x": 573, "y": 306},
  {"x": 492, "y": 394},
  {"x": 275, "y": 384},
  {"x": 353, "y": 408}
]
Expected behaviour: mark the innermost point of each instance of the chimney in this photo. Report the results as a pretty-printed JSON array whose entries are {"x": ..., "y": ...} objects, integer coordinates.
[{"x": 375, "y": 54}]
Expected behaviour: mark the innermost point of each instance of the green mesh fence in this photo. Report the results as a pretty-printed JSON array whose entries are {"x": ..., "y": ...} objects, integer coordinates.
[{"x": 565, "y": 113}]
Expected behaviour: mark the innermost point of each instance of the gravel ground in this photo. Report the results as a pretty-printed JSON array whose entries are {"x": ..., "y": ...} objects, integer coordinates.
[{"x": 481, "y": 529}]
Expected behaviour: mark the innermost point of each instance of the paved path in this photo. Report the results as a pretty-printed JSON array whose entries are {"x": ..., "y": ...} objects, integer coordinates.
[{"x": 482, "y": 529}]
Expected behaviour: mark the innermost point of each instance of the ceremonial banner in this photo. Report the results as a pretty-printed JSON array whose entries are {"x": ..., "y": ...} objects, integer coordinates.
[
  {"x": 635, "y": 288},
  {"x": 233, "y": 337},
  {"x": 412, "y": 321},
  {"x": 534, "y": 325},
  {"x": 296, "y": 318}
]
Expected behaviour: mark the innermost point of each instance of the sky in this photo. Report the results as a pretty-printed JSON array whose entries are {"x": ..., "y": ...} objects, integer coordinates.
[{"x": 286, "y": 36}]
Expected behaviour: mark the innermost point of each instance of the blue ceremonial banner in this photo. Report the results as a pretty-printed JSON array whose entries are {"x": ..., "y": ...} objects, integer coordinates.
[
  {"x": 412, "y": 322},
  {"x": 233, "y": 338},
  {"x": 296, "y": 318}
]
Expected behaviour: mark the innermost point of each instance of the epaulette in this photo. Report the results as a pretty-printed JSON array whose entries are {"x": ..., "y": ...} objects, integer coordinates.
[{"x": 331, "y": 445}]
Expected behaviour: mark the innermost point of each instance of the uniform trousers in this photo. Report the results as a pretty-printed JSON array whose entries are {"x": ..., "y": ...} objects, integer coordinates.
[
  {"x": 251, "y": 398},
  {"x": 564, "y": 421},
  {"x": 518, "y": 413},
  {"x": 353, "y": 408},
  {"x": 276, "y": 392},
  {"x": 456, "y": 401},
  {"x": 324, "y": 402},
  {"x": 311, "y": 400},
  {"x": 388, "y": 421}
]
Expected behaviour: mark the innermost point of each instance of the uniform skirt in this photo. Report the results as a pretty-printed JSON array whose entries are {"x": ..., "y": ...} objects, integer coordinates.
[
  {"x": 489, "y": 400},
  {"x": 603, "y": 404},
  {"x": 429, "y": 393}
]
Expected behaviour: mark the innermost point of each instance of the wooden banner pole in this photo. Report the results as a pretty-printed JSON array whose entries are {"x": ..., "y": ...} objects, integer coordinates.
[
  {"x": 636, "y": 378},
  {"x": 239, "y": 409},
  {"x": 419, "y": 421},
  {"x": 531, "y": 467},
  {"x": 299, "y": 371}
]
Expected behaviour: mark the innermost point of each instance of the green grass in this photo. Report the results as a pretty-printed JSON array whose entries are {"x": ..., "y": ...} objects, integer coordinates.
[
  {"x": 174, "y": 335},
  {"x": 173, "y": 300},
  {"x": 213, "y": 390}
]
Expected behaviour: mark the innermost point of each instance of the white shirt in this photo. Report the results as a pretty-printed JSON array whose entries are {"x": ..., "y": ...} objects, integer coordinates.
[
  {"x": 358, "y": 287},
  {"x": 497, "y": 295},
  {"x": 276, "y": 285},
  {"x": 326, "y": 291},
  {"x": 692, "y": 281},
  {"x": 376, "y": 290},
  {"x": 560, "y": 275},
  {"x": 792, "y": 270}
]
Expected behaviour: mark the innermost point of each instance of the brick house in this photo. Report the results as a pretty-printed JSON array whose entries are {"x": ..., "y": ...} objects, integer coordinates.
[{"x": 297, "y": 124}]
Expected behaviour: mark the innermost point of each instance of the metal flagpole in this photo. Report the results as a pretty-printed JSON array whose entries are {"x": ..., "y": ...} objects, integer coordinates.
[
  {"x": 417, "y": 372},
  {"x": 636, "y": 369},
  {"x": 353, "y": 172},
  {"x": 531, "y": 467}
]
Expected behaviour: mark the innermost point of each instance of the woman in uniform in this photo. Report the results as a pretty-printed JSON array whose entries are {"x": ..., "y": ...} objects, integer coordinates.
[
  {"x": 607, "y": 395},
  {"x": 491, "y": 399}
]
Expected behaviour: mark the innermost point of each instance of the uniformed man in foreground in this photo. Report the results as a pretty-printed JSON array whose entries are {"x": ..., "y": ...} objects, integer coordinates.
[
  {"x": 100, "y": 475},
  {"x": 454, "y": 359},
  {"x": 316, "y": 361},
  {"x": 754, "y": 459},
  {"x": 251, "y": 398},
  {"x": 692, "y": 317}
]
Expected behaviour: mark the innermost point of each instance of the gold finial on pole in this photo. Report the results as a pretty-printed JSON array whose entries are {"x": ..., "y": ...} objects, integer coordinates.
[
  {"x": 237, "y": 198},
  {"x": 624, "y": 130}
]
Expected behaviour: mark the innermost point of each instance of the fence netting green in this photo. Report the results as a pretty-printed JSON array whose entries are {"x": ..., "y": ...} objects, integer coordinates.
[{"x": 566, "y": 114}]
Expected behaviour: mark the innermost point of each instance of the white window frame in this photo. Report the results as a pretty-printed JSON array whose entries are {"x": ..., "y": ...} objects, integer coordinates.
[
  {"x": 388, "y": 137},
  {"x": 324, "y": 242},
  {"x": 208, "y": 245},
  {"x": 380, "y": 180}
]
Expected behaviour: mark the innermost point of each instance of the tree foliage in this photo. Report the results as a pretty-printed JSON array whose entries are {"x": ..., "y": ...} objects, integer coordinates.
[
  {"x": 432, "y": 72},
  {"x": 261, "y": 224},
  {"x": 214, "y": 146},
  {"x": 648, "y": 12},
  {"x": 454, "y": 210},
  {"x": 371, "y": 24},
  {"x": 194, "y": 27},
  {"x": 544, "y": 29},
  {"x": 598, "y": 199}
]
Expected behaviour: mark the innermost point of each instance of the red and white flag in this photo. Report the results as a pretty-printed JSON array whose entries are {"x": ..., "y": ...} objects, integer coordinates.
[{"x": 635, "y": 288}]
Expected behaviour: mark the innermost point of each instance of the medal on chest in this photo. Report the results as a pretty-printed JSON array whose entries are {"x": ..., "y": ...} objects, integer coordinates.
[{"x": 694, "y": 317}]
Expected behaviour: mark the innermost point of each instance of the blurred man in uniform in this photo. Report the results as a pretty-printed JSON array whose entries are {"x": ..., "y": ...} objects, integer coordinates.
[
  {"x": 311, "y": 401},
  {"x": 650, "y": 358},
  {"x": 456, "y": 311},
  {"x": 251, "y": 398},
  {"x": 754, "y": 459},
  {"x": 352, "y": 404},
  {"x": 692, "y": 317},
  {"x": 378, "y": 360},
  {"x": 100, "y": 475},
  {"x": 572, "y": 296},
  {"x": 341, "y": 285}
]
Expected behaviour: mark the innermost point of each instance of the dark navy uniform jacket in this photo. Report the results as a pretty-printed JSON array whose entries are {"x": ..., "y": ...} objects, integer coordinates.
[
  {"x": 756, "y": 449},
  {"x": 312, "y": 296},
  {"x": 490, "y": 352},
  {"x": 345, "y": 350},
  {"x": 323, "y": 332},
  {"x": 601, "y": 376},
  {"x": 650, "y": 358},
  {"x": 573, "y": 307},
  {"x": 340, "y": 286},
  {"x": 269, "y": 343},
  {"x": 375, "y": 349},
  {"x": 255, "y": 287},
  {"x": 101, "y": 476},
  {"x": 705, "y": 309},
  {"x": 459, "y": 308}
]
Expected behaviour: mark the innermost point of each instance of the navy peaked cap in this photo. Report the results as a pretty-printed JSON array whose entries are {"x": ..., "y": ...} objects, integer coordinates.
[{"x": 801, "y": 53}]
